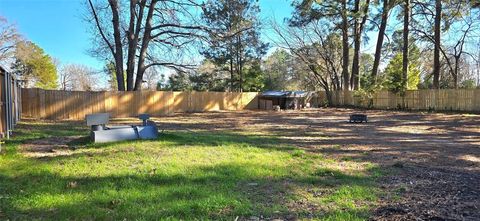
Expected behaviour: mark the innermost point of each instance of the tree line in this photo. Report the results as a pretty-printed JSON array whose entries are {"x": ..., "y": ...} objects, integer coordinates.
[
  {"x": 429, "y": 42},
  {"x": 217, "y": 45}
]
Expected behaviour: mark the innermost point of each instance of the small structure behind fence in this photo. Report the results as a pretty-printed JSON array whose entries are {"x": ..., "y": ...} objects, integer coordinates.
[{"x": 10, "y": 107}]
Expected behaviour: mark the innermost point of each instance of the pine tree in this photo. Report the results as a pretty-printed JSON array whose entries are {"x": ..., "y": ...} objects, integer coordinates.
[{"x": 234, "y": 37}]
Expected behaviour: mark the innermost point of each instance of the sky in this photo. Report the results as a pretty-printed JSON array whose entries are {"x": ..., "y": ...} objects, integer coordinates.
[{"x": 58, "y": 26}]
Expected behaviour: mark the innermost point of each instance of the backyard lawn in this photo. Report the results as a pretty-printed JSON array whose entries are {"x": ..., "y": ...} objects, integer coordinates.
[{"x": 248, "y": 166}]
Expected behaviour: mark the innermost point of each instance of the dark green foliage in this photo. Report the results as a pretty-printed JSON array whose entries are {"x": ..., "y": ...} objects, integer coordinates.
[
  {"x": 278, "y": 70},
  {"x": 306, "y": 11},
  {"x": 33, "y": 67},
  {"x": 109, "y": 70},
  {"x": 234, "y": 37},
  {"x": 393, "y": 74},
  {"x": 179, "y": 81},
  {"x": 366, "y": 65},
  {"x": 206, "y": 82},
  {"x": 468, "y": 84},
  {"x": 254, "y": 78}
]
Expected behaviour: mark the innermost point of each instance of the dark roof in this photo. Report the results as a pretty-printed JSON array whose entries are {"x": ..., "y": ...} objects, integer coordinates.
[
  {"x": 284, "y": 94},
  {"x": 274, "y": 94}
]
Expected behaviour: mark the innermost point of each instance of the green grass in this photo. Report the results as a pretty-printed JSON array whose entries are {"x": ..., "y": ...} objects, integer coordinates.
[{"x": 182, "y": 175}]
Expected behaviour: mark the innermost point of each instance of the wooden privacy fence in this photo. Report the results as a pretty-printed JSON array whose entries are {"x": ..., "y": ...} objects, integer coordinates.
[
  {"x": 440, "y": 100},
  {"x": 74, "y": 105},
  {"x": 9, "y": 103}
]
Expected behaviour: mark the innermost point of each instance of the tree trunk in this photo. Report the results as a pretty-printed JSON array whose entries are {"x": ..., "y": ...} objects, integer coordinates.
[
  {"x": 329, "y": 96},
  {"x": 381, "y": 36},
  {"x": 406, "y": 22},
  {"x": 436, "y": 52},
  {"x": 345, "y": 47},
  {"x": 240, "y": 62},
  {"x": 455, "y": 74},
  {"x": 143, "y": 50},
  {"x": 118, "y": 45},
  {"x": 132, "y": 35},
  {"x": 356, "y": 50},
  {"x": 355, "y": 80},
  {"x": 231, "y": 73}
]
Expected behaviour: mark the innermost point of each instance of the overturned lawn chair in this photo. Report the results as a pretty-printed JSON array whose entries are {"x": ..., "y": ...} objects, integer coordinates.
[{"x": 101, "y": 133}]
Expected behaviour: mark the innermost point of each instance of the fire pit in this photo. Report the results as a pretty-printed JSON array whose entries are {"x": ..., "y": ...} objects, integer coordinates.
[{"x": 358, "y": 118}]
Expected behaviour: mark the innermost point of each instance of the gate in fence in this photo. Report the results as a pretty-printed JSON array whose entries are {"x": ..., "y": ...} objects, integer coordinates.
[{"x": 10, "y": 107}]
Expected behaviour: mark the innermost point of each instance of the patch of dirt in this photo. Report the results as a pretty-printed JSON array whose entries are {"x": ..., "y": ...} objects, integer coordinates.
[
  {"x": 435, "y": 157},
  {"x": 51, "y": 146},
  {"x": 431, "y": 194}
]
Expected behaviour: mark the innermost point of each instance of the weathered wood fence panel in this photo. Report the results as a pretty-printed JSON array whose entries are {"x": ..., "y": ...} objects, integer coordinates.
[
  {"x": 440, "y": 100},
  {"x": 74, "y": 105},
  {"x": 10, "y": 106}
]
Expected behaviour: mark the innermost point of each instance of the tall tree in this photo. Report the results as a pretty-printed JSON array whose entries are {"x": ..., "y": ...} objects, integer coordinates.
[
  {"x": 395, "y": 81},
  {"x": 387, "y": 6},
  {"x": 319, "y": 50},
  {"x": 278, "y": 70},
  {"x": 437, "y": 44},
  {"x": 361, "y": 15},
  {"x": 157, "y": 34},
  {"x": 338, "y": 14},
  {"x": 33, "y": 67},
  {"x": 406, "y": 23},
  {"x": 116, "y": 48},
  {"x": 234, "y": 36},
  {"x": 432, "y": 23},
  {"x": 345, "y": 46},
  {"x": 9, "y": 37},
  {"x": 458, "y": 50}
]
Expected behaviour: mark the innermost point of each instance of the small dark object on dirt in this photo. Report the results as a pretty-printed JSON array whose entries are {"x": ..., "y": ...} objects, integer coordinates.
[
  {"x": 398, "y": 164},
  {"x": 358, "y": 118}
]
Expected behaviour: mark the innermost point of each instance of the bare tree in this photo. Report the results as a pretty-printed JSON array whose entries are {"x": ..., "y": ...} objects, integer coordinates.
[
  {"x": 151, "y": 78},
  {"x": 8, "y": 39},
  {"x": 77, "y": 77},
  {"x": 319, "y": 50},
  {"x": 452, "y": 47},
  {"x": 458, "y": 50},
  {"x": 154, "y": 32},
  {"x": 338, "y": 14}
]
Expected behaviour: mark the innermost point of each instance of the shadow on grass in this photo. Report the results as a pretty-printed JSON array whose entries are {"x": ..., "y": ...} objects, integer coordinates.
[
  {"x": 32, "y": 188},
  {"x": 217, "y": 192}
]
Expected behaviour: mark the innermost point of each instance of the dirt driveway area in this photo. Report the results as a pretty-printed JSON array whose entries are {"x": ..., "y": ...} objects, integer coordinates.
[{"x": 435, "y": 157}]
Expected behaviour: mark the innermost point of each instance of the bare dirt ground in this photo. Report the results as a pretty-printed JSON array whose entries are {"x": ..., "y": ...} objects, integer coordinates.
[{"x": 436, "y": 157}]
